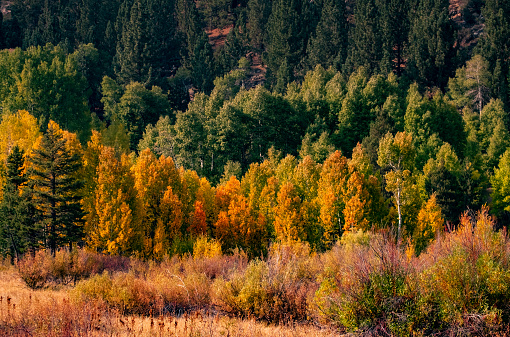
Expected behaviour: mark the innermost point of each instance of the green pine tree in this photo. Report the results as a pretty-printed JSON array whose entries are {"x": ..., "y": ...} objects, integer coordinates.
[
  {"x": 57, "y": 189},
  {"x": 394, "y": 24},
  {"x": 258, "y": 16},
  {"x": 365, "y": 43},
  {"x": 328, "y": 45},
  {"x": 11, "y": 220},
  {"x": 495, "y": 45},
  {"x": 289, "y": 28},
  {"x": 431, "y": 55},
  {"x": 19, "y": 230},
  {"x": 147, "y": 48}
]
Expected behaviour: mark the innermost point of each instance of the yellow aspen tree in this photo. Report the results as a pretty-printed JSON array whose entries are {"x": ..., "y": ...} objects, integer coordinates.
[
  {"x": 268, "y": 200},
  {"x": 288, "y": 222},
  {"x": 255, "y": 180},
  {"x": 190, "y": 186},
  {"x": 152, "y": 178},
  {"x": 332, "y": 182},
  {"x": 397, "y": 153},
  {"x": 169, "y": 223},
  {"x": 430, "y": 222},
  {"x": 206, "y": 195},
  {"x": 357, "y": 202},
  {"x": 375, "y": 209},
  {"x": 248, "y": 226},
  {"x": 18, "y": 129},
  {"x": 241, "y": 227},
  {"x": 90, "y": 165},
  {"x": 223, "y": 230},
  {"x": 285, "y": 169},
  {"x": 198, "y": 224},
  {"x": 306, "y": 180},
  {"x": 225, "y": 193},
  {"x": 111, "y": 227}
]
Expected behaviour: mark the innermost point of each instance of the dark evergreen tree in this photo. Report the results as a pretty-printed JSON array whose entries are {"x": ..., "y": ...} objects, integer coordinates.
[
  {"x": 448, "y": 192},
  {"x": 328, "y": 46},
  {"x": 2, "y": 37},
  {"x": 19, "y": 231},
  {"x": 431, "y": 55},
  {"x": 57, "y": 189},
  {"x": 365, "y": 43},
  {"x": 197, "y": 56},
  {"x": 25, "y": 13},
  {"x": 258, "y": 15},
  {"x": 147, "y": 48},
  {"x": 11, "y": 222},
  {"x": 495, "y": 45},
  {"x": 394, "y": 27},
  {"x": 94, "y": 16},
  {"x": 289, "y": 27},
  {"x": 234, "y": 48},
  {"x": 202, "y": 65}
]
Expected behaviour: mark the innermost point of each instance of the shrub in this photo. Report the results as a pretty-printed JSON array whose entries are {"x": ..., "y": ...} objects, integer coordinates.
[
  {"x": 367, "y": 282},
  {"x": 34, "y": 270},
  {"x": 65, "y": 267},
  {"x": 123, "y": 291},
  {"x": 276, "y": 290},
  {"x": 470, "y": 275}
]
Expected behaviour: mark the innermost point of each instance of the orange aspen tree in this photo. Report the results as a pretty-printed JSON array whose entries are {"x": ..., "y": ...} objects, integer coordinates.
[{"x": 332, "y": 182}]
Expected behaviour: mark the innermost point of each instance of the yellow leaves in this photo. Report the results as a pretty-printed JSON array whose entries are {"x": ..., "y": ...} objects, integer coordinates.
[
  {"x": 110, "y": 224},
  {"x": 206, "y": 248},
  {"x": 356, "y": 198},
  {"x": 19, "y": 129},
  {"x": 331, "y": 186},
  {"x": 288, "y": 223},
  {"x": 171, "y": 215},
  {"x": 430, "y": 222}
]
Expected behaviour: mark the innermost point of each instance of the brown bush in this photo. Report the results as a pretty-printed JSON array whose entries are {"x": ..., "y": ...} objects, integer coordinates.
[{"x": 34, "y": 270}]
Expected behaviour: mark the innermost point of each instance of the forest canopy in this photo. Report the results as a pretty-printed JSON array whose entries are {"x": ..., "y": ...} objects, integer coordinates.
[{"x": 134, "y": 127}]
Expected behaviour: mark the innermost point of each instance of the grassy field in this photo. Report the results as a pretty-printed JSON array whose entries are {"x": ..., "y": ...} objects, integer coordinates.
[{"x": 52, "y": 312}]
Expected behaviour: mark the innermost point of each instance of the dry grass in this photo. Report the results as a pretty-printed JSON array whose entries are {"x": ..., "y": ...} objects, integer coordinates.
[{"x": 50, "y": 312}]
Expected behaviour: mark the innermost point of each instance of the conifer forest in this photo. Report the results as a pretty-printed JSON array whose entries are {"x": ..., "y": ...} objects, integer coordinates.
[{"x": 254, "y": 168}]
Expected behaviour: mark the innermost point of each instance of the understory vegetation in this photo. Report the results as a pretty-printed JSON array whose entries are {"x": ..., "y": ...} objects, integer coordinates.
[{"x": 367, "y": 284}]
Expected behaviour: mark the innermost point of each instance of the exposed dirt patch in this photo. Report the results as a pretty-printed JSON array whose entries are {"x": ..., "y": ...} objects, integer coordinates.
[
  {"x": 257, "y": 75},
  {"x": 469, "y": 22},
  {"x": 218, "y": 36}
]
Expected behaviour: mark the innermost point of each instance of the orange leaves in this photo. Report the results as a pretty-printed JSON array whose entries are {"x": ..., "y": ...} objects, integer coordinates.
[
  {"x": 356, "y": 197},
  {"x": 198, "y": 221},
  {"x": 225, "y": 194},
  {"x": 148, "y": 204},
  {"x": 288, "y": 223},
  {"x": 240, "y": 226}
]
